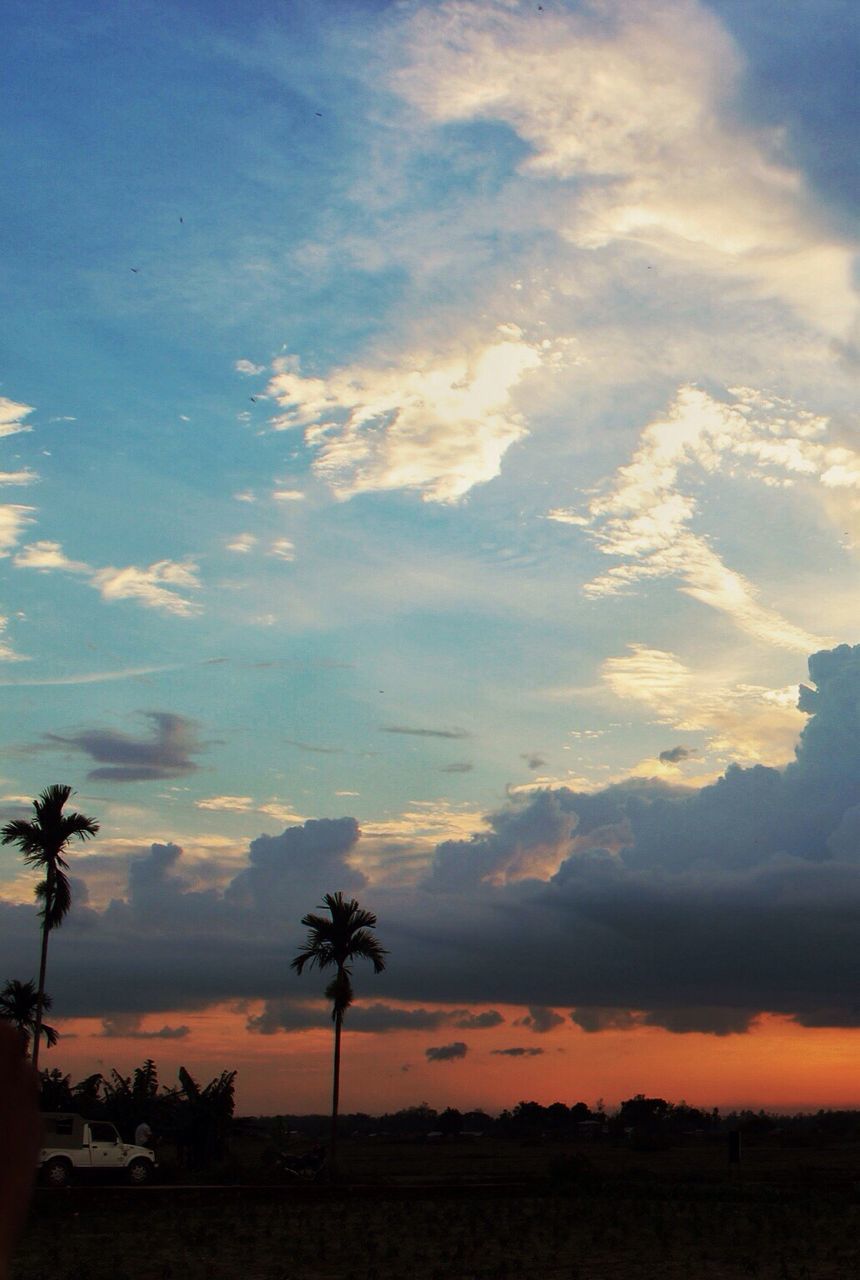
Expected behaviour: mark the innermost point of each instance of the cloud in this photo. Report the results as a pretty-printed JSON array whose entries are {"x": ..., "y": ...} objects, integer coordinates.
[
  {"x": 12, "y": 416},
  {"x": 283, "y": 549},
  {"x": 226, "y": 804},
  {"x": 674, "y": 755},
  {"x": 13, "y": 520},
  {"x": 479, "y": 1021},
  {"x": 287, "y": 495},
  {"x": 438, "y": 424},
  {"x": 541, "y": 1019},
  {"x": 447, "y": 1052},
  {"x": 18, "y": 477},
  {"x": 90, "y": 677},
  {"x": 166, "y": 754},
  {"x": 458, "y": 766},
  {"x": 424, "y": 733},
  {"x": 155, "y": 587},
  {"x": 533, "y": 759},
  {"x": 242, "y": 543},
  {"x": 629, "y": 114},
  {"x": 517, "y": 1053},
  {"x": 639, "y": 904},
  {"x": 643, "y": 518},
  {"x": 7, "y": 653},
  {"x": 127, "y": 1027},
  {"x": 248, "y": 367}
]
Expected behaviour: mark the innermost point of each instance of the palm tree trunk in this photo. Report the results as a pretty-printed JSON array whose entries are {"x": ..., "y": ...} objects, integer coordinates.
[
  {"x": 335, "y": 1091},
  {"x": 43, "y": 964}
]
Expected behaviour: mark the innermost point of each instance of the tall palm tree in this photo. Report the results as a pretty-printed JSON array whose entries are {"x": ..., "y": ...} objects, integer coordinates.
[
  {"x": 19, "y": 1004},
  {"x": 44, "y": 841},
  {"x": 338, "y": 940}
]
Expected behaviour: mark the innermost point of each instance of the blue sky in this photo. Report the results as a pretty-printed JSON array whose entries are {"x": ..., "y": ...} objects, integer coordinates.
[{"x": 410, "y": 408}]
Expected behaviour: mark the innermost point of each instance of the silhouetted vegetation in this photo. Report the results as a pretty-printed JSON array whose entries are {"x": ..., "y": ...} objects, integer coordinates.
[
  {"x": 194, "y": 1119},
  {"x": 44, "y": 841},
  {"x": 337, "y": 940},
  {"x": 19, "y": 1004}
]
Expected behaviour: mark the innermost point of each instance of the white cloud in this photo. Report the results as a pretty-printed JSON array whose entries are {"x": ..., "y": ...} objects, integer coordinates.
[
  {"x": 742, "y": 722},
  {"x": 643, "y": 518},
  {"x": 155, "y": 587},
  {"x": 47, "y": 555},
  {"x": 628, "y": 107},
  {"x": 247, "y": 367},
  {"x": 13, "y": 520},
  {"x": 226, "y": 804},
  {"x": 283, "y": 549},
  {"x": 18, "y": 477},
  {"x": 437, "y": 424},
  {"x": 242, "y": 543},
  {"x": 7, "y": 653},
  {"x": 12, "y": 417},
  {"x": 287, "y": 495}
]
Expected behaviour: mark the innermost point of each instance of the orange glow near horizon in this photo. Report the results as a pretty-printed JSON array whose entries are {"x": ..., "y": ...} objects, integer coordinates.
[{"x": 777, "y": 1065}]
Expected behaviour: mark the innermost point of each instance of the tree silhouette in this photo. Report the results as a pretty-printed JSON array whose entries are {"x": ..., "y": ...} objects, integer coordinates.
[
  {"x": 345, "y": 936},
  {"x": 19, "y": 1004},
  {"x": 44, "y": 842}
]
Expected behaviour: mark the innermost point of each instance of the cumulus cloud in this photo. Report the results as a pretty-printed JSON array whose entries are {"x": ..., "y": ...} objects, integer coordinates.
[
  {"x": 435, "y": 424},
  {"x": 533, "y": 759},
  {"x": 478, "y": 1021},
  {"x": 674, "y": 755},
  {"x": 248, "y": 367},
  {"x": 167, "y": 753},
  {"x": 14, "y": 518},
  {"x": 640, "y": 904},
  {"x": 376, "y": 1018},
  {"x": 447, "y": 1052}
]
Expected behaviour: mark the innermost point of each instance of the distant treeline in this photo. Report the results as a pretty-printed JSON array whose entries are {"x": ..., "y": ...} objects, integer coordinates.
[{"x": 639, "y": 1115}]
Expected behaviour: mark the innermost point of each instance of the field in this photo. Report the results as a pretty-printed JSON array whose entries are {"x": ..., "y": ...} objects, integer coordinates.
[{"x": 486, "y": 1210}]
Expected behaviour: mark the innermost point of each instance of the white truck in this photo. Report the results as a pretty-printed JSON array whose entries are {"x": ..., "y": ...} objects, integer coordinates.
[{"x": 73, "y": 1145}]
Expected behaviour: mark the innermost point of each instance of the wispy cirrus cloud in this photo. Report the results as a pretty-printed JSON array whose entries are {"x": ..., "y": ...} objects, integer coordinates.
[
  {"x": 12, "y": 416},
  {"x": 644, "y": 517}
]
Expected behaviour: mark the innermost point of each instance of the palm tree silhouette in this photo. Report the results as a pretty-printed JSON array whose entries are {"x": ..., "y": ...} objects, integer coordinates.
[
  {"x": 44, "y": 842},
  {"x": 19, "y": 1003},
  {"x": 337, "y": 941}
]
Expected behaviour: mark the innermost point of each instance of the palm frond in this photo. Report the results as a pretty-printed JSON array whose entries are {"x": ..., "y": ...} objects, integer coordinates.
[{"x": 340, "y": 992}]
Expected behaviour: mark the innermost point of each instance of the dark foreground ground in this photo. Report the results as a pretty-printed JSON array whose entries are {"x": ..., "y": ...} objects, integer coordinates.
[{"x": 488, "y": 1210}]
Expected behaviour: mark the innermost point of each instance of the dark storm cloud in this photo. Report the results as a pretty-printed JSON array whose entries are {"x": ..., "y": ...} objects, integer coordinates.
[
  {"x": 424, "y": 733},
  {"x": 478, "y": 1021},
  {"x": 688, "y": 909},
  {"x": 517, "y": 1052},
  {"x": 127, "y": 1027},
  {"x": 287, "y": 1015},
  {"x": 447, "y": 1052},
  {"x": 540, "y": 1019},
  {"x": 675, "y": 755},
  {"x": 167, "y": 753}
]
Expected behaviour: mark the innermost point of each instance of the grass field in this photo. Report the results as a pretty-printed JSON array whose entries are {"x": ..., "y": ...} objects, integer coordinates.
[{"x": 602, "y": 1213}]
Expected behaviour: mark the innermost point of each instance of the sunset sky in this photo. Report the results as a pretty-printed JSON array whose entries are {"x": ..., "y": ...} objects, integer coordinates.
[{"x": 430, "y": 463}]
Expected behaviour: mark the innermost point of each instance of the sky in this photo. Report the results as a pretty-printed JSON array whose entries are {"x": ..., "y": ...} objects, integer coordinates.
[{"x": 431, "y": 471}]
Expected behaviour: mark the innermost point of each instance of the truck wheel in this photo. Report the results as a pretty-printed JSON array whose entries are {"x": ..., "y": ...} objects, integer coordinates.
[
  {"x": 139, "y": 1172},
  {"x": 57, "y": 1173}
]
